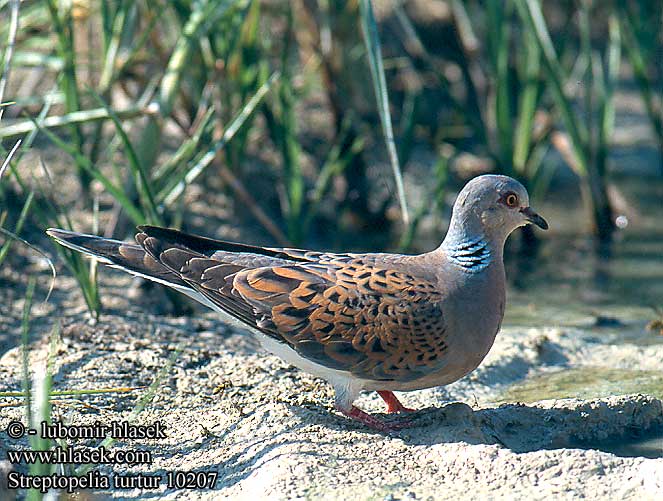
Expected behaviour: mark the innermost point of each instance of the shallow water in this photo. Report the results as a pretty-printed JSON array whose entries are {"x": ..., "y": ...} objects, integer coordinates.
[
  {"x": 613, "y": 292},
  {"x": 586, "y": 383},
  {"x": 649, "y": 446},
  {"x": 612, "y": 295}
]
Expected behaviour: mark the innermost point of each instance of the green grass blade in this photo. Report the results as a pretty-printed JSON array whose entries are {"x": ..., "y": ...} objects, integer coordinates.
[
  {"x": 532, "y": 17},
  {"x": 422, "y": 58},
  {"x": 528, "y": 102},
  {"x": 608, "y": 80},
  {"x": 7, "y": 161},
  {"x": 63, "y": 27},
  {"x": 584, "y": 28},
  {"x": 286, "y": 138},
  {"x": 372, "y": 42},
  {"x": 30, "y": 137},
  {"x": 4, "y": 250},
  {"x": 334, "y": 165},
  {"x": 11, "y": 40},
  {"x": 138, "y": 43},
  {"x": 24, "y": 58},
  {"x": 25, "y": 342},
  {"x": 637, "y": 60},
  {"x": 75, "y": 393},
  {"x": 112, "y": 46},
  {"x": 189, "y": 176},
  {"x": 441, "y": 174},
  {"x": 499, "y": 29},
  {"x": 141, "y": 179},
  {"x": 201, "y": 19},
  {"x": 203, "y": 16},
  {"x": 118, "y": 194},
  {"x": 43, "y": 386},
  {"x": 166, "y": 175},
  {"x": 76, "y": 117},
  {"x": 51, "y": 215},
  {"x": 142, "y": 403},
  {"x": 36, "y": 249}
]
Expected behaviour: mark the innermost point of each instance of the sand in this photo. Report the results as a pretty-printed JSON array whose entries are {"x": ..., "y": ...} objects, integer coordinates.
[{"x": 269, "y": 430}]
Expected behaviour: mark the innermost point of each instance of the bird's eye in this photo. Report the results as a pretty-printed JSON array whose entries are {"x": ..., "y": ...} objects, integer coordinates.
[{"x": 511, "y": 200}]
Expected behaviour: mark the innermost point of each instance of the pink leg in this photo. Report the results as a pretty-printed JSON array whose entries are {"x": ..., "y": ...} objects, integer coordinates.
[
  {"x": 393, "y": 405},
  {"x": 371, "y": 421}
]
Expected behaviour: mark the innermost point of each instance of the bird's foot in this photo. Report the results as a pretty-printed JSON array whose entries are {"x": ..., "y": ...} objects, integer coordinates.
[
  {"x": 371, "y": 421},
  {"x": 393, "y": 404}
]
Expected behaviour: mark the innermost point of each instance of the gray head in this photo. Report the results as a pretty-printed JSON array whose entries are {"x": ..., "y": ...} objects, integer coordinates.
[{"x": 491, "y": 206}]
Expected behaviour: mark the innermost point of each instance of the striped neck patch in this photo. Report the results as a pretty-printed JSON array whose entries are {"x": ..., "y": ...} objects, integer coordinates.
[{"x": 473, "y": 255}]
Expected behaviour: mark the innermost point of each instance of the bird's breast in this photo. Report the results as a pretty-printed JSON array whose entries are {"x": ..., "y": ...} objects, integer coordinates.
[{"x": 473, "y": 313}]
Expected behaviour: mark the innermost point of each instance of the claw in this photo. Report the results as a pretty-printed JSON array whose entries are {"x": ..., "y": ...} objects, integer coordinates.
[{"x": 371, "y": 421}]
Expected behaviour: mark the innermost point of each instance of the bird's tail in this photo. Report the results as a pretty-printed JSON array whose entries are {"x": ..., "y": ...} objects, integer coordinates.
[{"x": 129, "y": 257}]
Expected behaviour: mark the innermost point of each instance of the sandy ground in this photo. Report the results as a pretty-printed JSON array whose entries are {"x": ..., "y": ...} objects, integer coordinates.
[{"x": 270, "y": 430}]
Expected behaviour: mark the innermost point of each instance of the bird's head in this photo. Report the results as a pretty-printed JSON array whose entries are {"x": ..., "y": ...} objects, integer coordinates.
[{"x": 495, "y": 206}]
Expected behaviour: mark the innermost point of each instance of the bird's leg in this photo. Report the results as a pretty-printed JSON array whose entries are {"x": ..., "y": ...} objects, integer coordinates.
[
  {"x": 393, "y": 405},
  {"x": 371, "y": 421}
]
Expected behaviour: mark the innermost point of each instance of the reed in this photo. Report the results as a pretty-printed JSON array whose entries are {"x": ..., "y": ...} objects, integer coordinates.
[
  {"x": 588, "y": 143},
  {"x": 148, "y": 98},
  {"x": 38, "y": 396}
]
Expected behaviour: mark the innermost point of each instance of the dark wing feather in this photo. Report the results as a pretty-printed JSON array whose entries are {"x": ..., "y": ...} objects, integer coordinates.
[
  {"x": 127, "y": 256},
  {"x": 209, "y": 246},
  {"x": 343, "y": 311},
  {"x": 376, "y": 323}
]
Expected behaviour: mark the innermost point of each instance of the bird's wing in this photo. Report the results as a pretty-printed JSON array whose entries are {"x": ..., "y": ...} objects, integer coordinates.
[{"x": 345, "y": 313}]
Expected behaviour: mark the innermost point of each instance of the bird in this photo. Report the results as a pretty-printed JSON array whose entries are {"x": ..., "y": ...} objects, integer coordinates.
[{"x": 362, "y": 321}]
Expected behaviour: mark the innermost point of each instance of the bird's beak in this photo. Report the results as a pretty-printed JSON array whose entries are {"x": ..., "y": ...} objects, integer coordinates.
[{"x": 533, "y": 217}]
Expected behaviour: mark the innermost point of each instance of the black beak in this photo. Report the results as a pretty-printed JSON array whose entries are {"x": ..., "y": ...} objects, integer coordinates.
[{"x": 533, "y": 217}]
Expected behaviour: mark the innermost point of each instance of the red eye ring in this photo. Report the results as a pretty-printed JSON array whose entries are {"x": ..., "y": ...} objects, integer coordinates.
[{"x": 511, "y": 200}]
